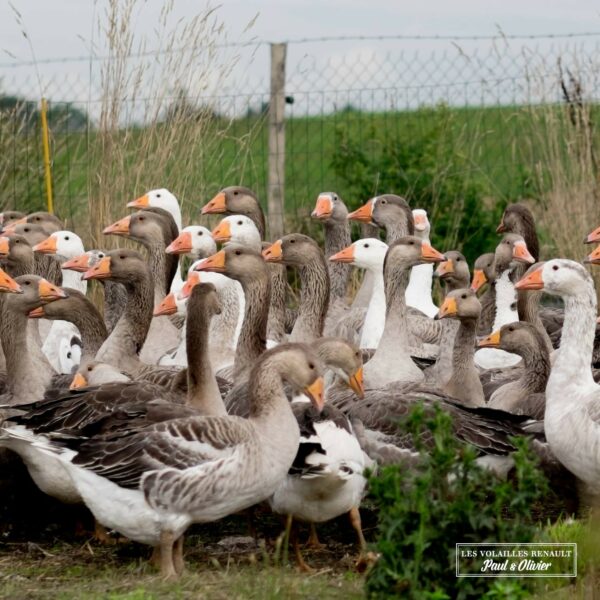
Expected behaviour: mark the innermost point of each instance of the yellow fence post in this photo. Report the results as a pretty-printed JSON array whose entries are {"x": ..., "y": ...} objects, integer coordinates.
[{"x": 47, "y": 165}]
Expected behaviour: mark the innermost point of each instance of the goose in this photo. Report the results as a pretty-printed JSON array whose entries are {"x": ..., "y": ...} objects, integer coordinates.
[
  {"x": 237, "y": 200},
  {"x": 572, "y": 397},
  {"x": 525, "y": 395},
  {"x": 483, "y": 272},
  {"x": 115, "y": 296},
  {"x": 464, "y": 383},
  {"x": 240, "y": 229},
  {"x": 332, "y": 212},
  {"x": 391, "y": 361},
  {"x": 47, "y": 221},
  {"x": 67, "y": 245},
  {"x": 511, "y": 251},
  {"x": 28, "y": 371},
  {"x": 248, "y": 267},
  {"x": 18, "y": 258},
  {"x": 159, "y": 198},
  {"x": 390, "y": 212},
  {"x": 418, "y": 292},
  {"x": 369, "y": 254},
  {"x": 8, "y": 216},
  {"x": 151, "y": 485},
  {"x": 155, "y": 229},
  {"x": 303, "y": 253}
]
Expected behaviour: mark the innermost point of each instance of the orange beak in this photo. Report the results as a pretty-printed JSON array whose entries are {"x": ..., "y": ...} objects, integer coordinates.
[
  {"x": 479, "y": 279},
  {"x": 430, "y": 254},
  {"x": 323, "y": 208},
  {"x": 141, "y": 202},
  {"x": 217, "y": 205},
  {"x": 501, "y": 228},
  {"x": 222, "y": 232},
  {"x": 343, "y": 256},
  {"x": 36, "y": 313},
  {"x": 274, "y": 253},
  {"x": 79, "y": 381},
  {"x": 420, "y": 222},
  {"x": 4, "y": 246},
  {"x": 48, "y": 246},
  {"x": 166, "y": 307},
  {"x": 532, "y": 281},
  {"x": 315, "y": 392},
  {"x": 594, "y": 257},
  {"x": 80, "y": 264},
  {"x": 182, "y": 244},
  {"x": 8, "y": 284},
  {"x": 445, "y": 268},
  {"x": 521, "y": 253},
  {"x": 119, "y": 228},
  {"x": 49, "y": 292},
  {"x": 364, "y": 214},
  {"x": 99, "y": 271},
  {"x": 448, "y": 309},
  {"x": 192, "y": 280},
  {"x": 214, "y": 263},
  {"x": 491, "y": 341},
  {"x": 593, "y": 237},
  {"x": 356, "y": 383},
  {"x": 20, "y": 221}
]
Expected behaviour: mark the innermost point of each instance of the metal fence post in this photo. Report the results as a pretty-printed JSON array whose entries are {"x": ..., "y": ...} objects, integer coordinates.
[{"x": 276, "y": 176}]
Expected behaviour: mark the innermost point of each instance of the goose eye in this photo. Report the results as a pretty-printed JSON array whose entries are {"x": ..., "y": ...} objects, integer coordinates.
[
  {"x": 383, "y": 201},
  {"x": 89, "y": 368},
  {"x": 141, "y": 218},
  {"x": 292, "y": 241},
  {"x": 28, "y": 283},
  {"x": 458, "y": 259},
  {"x": 201, "y": 233},
  {"x": 235, "y": 193},
  {"x": 511, "y": 328},
  {"x": 122, "y": 257},
  {"x": 555, "y": 267},
  {"x": 464, "y": 296},
  {"x": 238, "y": 252},
  {"x": 311, "y": 366},
  {"x": 67, "y": 238},
  {"x": 17, "y": 241},
  {"x": 239, "y": 222},
  {"x": 411, "y": 243},
  {"x": 158, "y": 195},
  {"x": 366, "y": 245}
]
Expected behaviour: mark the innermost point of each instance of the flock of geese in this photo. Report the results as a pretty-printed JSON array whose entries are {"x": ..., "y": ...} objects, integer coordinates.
[{"x": 189, "y": 399}]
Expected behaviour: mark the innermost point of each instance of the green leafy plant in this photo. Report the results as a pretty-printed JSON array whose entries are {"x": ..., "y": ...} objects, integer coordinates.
[{"x": 448, "y": 499}]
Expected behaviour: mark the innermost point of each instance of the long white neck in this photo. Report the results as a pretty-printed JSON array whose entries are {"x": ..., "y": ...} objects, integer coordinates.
[
  {"x": 374, "y": 323},
  {"x": 418, "y": 292},
  {"x": 506, "y": 301},
  {"x": 73, "y": 280}
]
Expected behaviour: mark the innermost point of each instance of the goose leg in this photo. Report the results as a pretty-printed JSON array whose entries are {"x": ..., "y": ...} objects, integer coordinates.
[
  {"x": 354, "y": 515},
  {"x": 178, "y": 561},
  {"x": 167, "y": 569},
  {"x": 296, "y": 544},
  {"x": 155, "y": 559},
  {"x": 101, "y": 535},
  {"x": 313, "y": 539}
]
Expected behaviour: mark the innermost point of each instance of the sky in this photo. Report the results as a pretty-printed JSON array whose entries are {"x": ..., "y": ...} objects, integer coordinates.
[{"x": 64, "y": 28}]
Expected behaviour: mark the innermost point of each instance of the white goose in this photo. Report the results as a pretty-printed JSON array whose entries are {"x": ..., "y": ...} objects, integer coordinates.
[
  {"x": 572, "y": 417},
  {"x": 369, "y": 254},
  {"x": 418, "y": 292},
  {"x": 58, "y": 345}
]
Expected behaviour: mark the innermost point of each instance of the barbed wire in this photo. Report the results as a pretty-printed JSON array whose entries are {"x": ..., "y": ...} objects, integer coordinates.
[{"x": 307, "y": 40}]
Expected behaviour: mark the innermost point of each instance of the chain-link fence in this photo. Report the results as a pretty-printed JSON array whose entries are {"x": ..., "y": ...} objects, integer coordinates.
[{"x": 453, "y": 120}]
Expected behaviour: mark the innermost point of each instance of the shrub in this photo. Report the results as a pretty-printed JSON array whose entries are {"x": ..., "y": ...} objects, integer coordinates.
[{"x": 424, "y": 512}]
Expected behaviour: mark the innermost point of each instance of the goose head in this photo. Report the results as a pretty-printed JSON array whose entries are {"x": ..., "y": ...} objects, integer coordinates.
[
  {"x": 171, "y": 304},
  {"x": 15, "y": 249},
  {"x": 517, "y": 218},
  {"x": 35, "y": 292},
  {"x": 237, "y": 262},
  {"x": 294, "y": 249},
  {"x": 33, "y": 233},
  {"x": 454, "y": 271},
  {"x": 159, "y": 198},
  {"x": 483, "y": 271},
  {"x": 559, "y": 277},
  {"x": 344, "y": 359},
  {"x": 195, "y": 240},
  {"x": 368, "y": 253},
  {"x": 8, "y": 285},
  {"x": 519, "y": 337},
  {"x": 238, "y": 229},
  {"x": 93, "y": 373},
  {"x": 122, "y": 265},
  {"x": 422, "y": 224},
  {"x": 83, "y": 262},
  {"x": 63, "y": 243},
  {"x": 295, "y": 364},
  {"x": 8, "y": 216},
  {"x": 409, "y": 251},
  {"x": 460, "y": 304},
  {"x": 233, "y": 199},
  {"x": 330, "y": 207},
  {"x": 384, "y": 211},
  {"x": 47, "y": 221},
  {"x": 143, "y": 226},
  {"x": 511, "y": 250}
]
